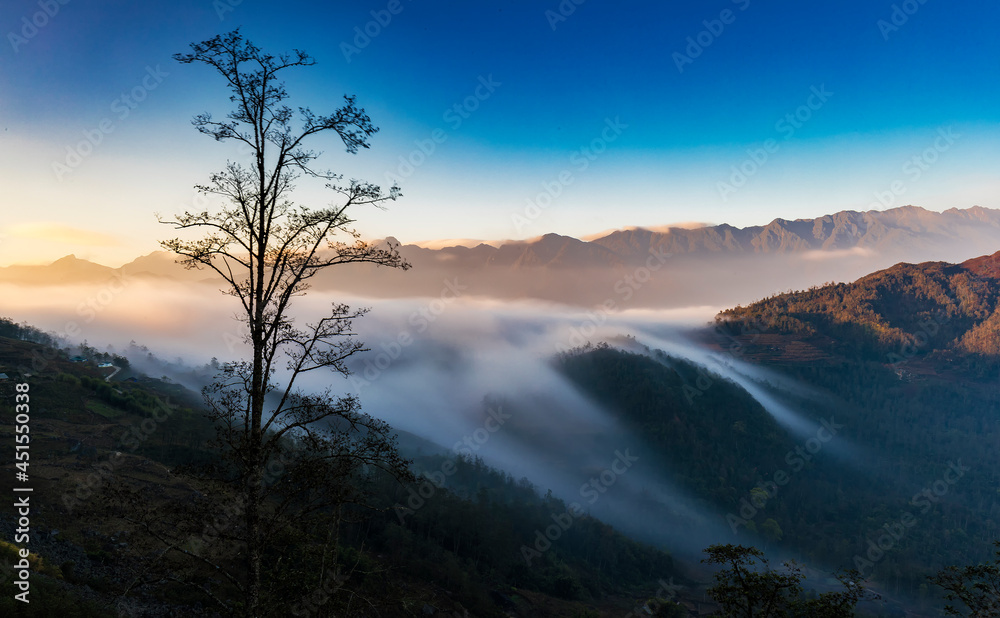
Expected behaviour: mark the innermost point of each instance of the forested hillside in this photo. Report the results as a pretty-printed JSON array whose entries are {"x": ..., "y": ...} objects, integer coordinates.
[
  {"x": 894, "y": 314},
  {"x": 897, "y": 439},
  {"x": 446, "y": 546},
  {"x": 909, "y": 356}
]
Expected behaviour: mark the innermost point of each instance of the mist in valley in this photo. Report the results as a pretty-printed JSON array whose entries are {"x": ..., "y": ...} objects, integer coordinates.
[
  {"x": 461, "y": 374},
  {"x": 471, "y": 376}
]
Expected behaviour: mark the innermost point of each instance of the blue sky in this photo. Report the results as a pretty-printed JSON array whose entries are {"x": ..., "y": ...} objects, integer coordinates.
[{"x": 589, "y": 116}]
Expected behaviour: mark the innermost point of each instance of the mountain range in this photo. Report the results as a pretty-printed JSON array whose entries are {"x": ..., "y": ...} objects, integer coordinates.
[
  {"x": 702, "y": 261},
  {"x": 889, "y": 231}
]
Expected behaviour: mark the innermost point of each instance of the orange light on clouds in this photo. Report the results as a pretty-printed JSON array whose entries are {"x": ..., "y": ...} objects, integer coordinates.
[{"x": 39, "y": 241}]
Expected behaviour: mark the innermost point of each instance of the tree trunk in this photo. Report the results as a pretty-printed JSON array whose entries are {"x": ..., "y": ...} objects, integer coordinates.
[{"x": 253, "y": 542}]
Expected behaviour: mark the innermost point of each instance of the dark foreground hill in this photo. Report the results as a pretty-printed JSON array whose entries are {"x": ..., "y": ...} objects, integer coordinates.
[{"x": 436, "y": 548}]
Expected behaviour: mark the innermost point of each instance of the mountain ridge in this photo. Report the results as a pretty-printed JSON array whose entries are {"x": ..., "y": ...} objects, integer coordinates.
[
  {"x": 708, "y": 265},
  {"x": 906, "y": 310},
  {"x": 846, "y": 229}
]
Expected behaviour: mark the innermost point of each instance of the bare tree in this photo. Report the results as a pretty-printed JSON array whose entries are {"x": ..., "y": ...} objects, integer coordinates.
[{"x": 266, "y": 249}]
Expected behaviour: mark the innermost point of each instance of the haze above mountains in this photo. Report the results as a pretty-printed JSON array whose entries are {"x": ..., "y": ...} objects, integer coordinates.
[{"x": 676, "y": 267}]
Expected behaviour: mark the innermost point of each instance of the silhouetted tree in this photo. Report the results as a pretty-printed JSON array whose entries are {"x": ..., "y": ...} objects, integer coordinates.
[
  {"x": 977, "y": 587},
  {"x": 266, "y": 249},
  {"x": 747, "y": 587}
]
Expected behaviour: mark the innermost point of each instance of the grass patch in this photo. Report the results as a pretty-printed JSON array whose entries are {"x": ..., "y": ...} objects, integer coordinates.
[{"x": 98, "y": 407}]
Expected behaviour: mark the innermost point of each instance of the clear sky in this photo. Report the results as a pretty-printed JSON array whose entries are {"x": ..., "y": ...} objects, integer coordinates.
[{"x": 571, "y": 117}]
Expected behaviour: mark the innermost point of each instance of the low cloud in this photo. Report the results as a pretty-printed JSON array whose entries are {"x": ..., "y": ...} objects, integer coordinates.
[
  {"x": 659, "y": 229},
  {"x": 839, "y": 254}
]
